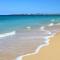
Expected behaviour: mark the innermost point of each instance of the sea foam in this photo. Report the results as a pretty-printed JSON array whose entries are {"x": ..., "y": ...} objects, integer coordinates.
[
  {"x": 7, "y": 34},
  {"x": 51, "y": 24},
  {"x": 38, "y": 48},
  {"x": 42, "y": 28}
]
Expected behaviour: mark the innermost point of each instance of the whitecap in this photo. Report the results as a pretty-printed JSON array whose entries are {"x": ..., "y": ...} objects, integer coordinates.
[
  {"x": 28, "y": 27},
  {"x": 51, "y": 24},
  {"x": 42, "y": 28},
  {"x": 7, "y": 34}
]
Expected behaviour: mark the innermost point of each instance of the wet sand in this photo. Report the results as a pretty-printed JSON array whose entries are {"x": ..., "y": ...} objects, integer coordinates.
[
  {"x": 20, "y": 44},
  {"x": 23, "y": 42},
  {"x": 49, "y": 52}
]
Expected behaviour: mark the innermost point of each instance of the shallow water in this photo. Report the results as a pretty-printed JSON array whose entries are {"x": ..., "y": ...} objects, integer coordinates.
[
  {"x": 10, "y": 23},
  {"x": 29, "y": 34}
]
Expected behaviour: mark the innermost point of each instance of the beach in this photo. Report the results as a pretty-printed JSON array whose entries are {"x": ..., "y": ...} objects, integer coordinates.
[
  {"x": 22, "y": 43},
  {"x": 25, "y": 42},
  {"x": 24, "y": 35},
  {"x": 49, "y": 52}
]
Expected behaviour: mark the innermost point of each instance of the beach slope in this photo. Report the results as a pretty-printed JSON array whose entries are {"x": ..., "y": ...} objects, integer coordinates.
[{"x": 49, "y": 52}]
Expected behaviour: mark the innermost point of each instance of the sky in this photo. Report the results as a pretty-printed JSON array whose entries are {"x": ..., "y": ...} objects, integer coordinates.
[{"x": 29, "y": 6}]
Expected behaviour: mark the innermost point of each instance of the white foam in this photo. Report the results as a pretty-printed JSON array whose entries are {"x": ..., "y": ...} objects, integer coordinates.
[
  {"x": 28, "y": 27},
  {"x": 19, "y": 58},
  {"x": 42, "y": 28},
  {"x": 51, "y": 24},
  {"x": 39, "y": 47},
  {"x": 7, "y": 34},
  {"x": 46, "y": 39}
]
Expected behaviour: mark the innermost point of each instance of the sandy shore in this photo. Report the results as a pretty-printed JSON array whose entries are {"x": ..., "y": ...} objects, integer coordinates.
[
  {"x": 20, "y": 44},
  {"x": 50, "y": 52},
  {"x": 24, "y": 42}
]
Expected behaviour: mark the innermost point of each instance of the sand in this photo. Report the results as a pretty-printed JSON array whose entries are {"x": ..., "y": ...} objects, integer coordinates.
[
  {"x": 20, "y": 44},
  {"x": 50, "y": 52},
  {"x": 24, "y": 42}
]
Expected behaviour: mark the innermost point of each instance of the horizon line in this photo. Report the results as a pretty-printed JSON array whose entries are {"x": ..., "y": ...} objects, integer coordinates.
[{"x": 33, "y": 14}]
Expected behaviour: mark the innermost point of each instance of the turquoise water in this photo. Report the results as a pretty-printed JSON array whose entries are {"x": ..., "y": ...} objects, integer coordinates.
[{"x": 12, "y": 22}]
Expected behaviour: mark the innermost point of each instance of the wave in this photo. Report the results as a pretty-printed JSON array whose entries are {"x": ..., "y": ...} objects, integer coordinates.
[
  {"x": 42, "y": 28},
  {"x": 7, "y": 34},
  {"x": 38, "y": 48},
  {"x": 51, "y": 24}
]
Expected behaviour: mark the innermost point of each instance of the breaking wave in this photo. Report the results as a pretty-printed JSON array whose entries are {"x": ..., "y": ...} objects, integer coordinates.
[{"x": 7, "y": 34}]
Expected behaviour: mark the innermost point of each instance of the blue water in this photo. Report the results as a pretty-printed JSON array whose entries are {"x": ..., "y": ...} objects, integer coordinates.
[{"x": 12, "y": 22}]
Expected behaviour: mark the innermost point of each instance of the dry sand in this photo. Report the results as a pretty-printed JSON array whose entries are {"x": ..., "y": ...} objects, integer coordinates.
[{"x": 50, "y": 52}]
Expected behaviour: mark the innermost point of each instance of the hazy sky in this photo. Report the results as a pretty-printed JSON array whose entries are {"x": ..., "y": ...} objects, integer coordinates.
[{"x": 29, "y": 6}]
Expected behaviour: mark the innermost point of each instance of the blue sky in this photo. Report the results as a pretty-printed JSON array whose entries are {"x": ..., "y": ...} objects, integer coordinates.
[{"x": 29, "y": 6}]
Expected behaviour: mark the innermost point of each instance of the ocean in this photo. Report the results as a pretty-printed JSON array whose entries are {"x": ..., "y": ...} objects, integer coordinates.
[
  {"x": 22, "y": 34},
  {"x": 13, "y": 22}
]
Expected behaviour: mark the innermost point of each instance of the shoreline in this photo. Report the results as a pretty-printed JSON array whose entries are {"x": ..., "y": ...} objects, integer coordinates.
[
  {"x": 39, "y": 47},
  {"x": 30, "y": 34}
]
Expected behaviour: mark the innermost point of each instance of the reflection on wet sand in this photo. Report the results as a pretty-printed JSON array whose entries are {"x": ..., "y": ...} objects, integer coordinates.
[
  {"x": 23, "y": 42},
  {"x": 50, "y": 52}
]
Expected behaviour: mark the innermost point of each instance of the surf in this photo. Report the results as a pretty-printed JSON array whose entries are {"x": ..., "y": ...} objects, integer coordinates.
[{"x": 7, "y": 34}]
